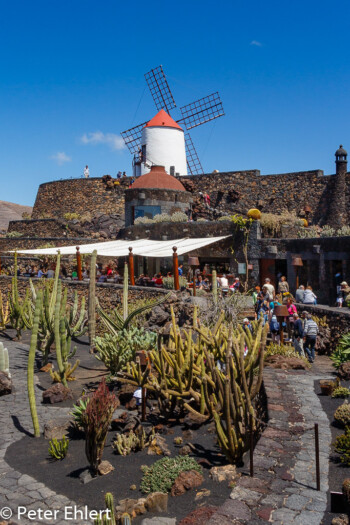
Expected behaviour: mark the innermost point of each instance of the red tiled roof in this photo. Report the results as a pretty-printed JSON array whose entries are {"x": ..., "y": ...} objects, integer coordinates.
[
  {"x": 163, "y": 119},
  {"x": 158, "y": 178}
]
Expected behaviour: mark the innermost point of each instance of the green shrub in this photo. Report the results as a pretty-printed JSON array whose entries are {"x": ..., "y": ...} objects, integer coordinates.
[
  {"x": 162, "y": 217},
  {"x": 341, "y": 392},
  {"x": 58, "y": 448},
  {"x": 342, "y": 414},
  {"x": 344, "y": 231},
  {"x": 78, "y": 412},
  {"x": 327, "y": 231},
  {"x": 342, "y": 353},
  {"x": 179, "y": 216},
  {"x": 116, "y": 350},
  {"x": 143, "y": 220},
  {"x": 14, "y": 234},
  {"x": 224, "y": 218},
  {"x": 160, "y": 476},
  {"x": 342, "y": 446},
  {"x": 201, "y": 219}
]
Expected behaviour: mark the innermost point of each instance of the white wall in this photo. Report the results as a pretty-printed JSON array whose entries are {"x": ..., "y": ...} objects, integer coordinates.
[{"x": 164, "y": 147}]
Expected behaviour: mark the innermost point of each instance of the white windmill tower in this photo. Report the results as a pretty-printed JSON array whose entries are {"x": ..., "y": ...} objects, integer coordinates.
[
  {"x": 163, "y": 144},
  {"x": 154, "y": 143}
]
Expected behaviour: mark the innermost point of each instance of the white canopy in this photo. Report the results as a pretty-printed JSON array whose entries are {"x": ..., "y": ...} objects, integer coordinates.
[{"x": 144, "y": 247}]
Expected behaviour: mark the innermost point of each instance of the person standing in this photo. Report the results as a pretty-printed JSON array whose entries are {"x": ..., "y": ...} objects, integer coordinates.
[
  {"x": 86, "y": 172},
  {"x": 269, "y": 288},
  {"x": 298, "y": 333},
  {"x": 310, "y": 335},
  {"x": 283, "y": 286}
]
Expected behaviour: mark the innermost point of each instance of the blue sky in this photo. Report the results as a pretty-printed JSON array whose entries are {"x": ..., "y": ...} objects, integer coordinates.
[{"x": 71, "y": 79}]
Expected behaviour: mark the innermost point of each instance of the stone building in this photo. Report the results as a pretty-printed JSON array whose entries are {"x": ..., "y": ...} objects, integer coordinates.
[{"x": 154, "y": 193}]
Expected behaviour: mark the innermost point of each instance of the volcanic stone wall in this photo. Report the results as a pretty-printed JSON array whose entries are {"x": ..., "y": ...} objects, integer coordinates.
[
  {"x": 230, "y": 192},
  {"x": 56, "y": 198}
]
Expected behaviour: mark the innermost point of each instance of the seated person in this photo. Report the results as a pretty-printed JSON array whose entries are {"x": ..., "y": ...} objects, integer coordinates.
[
  {"x": 158, "y": 281},
  {"x": 199, "y": 282}
]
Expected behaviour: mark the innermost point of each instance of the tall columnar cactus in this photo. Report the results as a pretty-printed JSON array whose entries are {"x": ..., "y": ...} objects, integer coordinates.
[
  {"x": 92, "y": 299},
  {"x": 214, "y": 286},
  {"x": 57, "y": 331},
  {"x": 109, "y": 517},
  {"x": 31, "y": 360},
  {"x": 4, "y": 360},
  {"x": 4, "y": 313},
  {"x": 18, "y": 306}
]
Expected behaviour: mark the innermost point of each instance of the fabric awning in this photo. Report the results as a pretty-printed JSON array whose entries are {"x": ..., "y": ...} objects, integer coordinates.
[{"x": 143, "y": 247}]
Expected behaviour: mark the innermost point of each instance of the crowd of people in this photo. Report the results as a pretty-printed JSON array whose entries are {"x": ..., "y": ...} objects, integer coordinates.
[{"x": 301, "y": 330}]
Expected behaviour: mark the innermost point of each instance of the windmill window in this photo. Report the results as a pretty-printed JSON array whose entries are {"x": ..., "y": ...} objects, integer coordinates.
[{"x": 143, "y": 153}]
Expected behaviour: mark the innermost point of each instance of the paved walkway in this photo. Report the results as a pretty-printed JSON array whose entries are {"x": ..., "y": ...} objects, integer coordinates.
[
  {"x": 282, "y": 490},
  {"x": 18, "y": 489}
]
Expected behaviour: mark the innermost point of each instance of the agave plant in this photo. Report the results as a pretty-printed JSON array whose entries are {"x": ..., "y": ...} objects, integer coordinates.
[
  {"x": 342, "y": 353},
  {"x": 119, "y": 322}
]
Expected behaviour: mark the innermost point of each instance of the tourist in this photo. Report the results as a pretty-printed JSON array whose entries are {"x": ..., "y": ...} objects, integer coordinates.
[
  {"x": 269, "y": 288},
  {"x": 41, "y": 272},
  {"x": 298, "y": 332},
  {"x": 103, "y": 277},
  {"x": 283, "y": 286},
  {"x": 119, "y": 175},
  {"x": 86, "y": 273},
  {"x": 199, "y": 282},
  {"x": 124, "y": 174},
  {"x": 310, "y": 335},
  {"x": 224, "y": 284},
  {"x": 255, "y": 294},
  {"x": 158, "y": 280},
  {"x": 299, "y": 294},
  {"x": 180, "y": 270},
  {"x": 206, "y": 284},
  {"x": 75, "y": 275},
  {"x": 343, "y": 293},
  {"x": 64, "y": 272},
  {"x": 290, "y": 319},
  {"x": 275, "y": 329},
  {"x": 50, "y": 274},
  {"x": 247, "y": 325},
  {"x": 86, "y": 172},
  {"x": 236, "y": 285},
  {"x": 309, "y": 297}
]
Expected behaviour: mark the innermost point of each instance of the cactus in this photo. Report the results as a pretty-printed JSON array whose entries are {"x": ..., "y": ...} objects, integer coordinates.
[
  {"x": 31, "y": 360},
  {"x": 208, "y": 376},
  {"x": 214, "y": 286},
  {"x": 18, "y": 307},
  {"x": 133, "y": 441},
  {"x": 122, "y": 322},
  {"x": 4, "y": 360},
  {"x": 4, "y": 313},
  {"x": 109, "y": 518},
  {"x": 92, "y": 300},
  {"x": 58, "y": 448}
]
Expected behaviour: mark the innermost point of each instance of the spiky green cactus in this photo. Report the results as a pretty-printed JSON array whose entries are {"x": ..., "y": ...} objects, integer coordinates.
[
  {"x": 92, "y": 299},
  {"x": 31, "y": 360},
  {"x": 18, "y": 307},
  {"x": 108, "y": 518},
  {"x": 4, "y": 360},
  {"x": 133, "y": 441}
]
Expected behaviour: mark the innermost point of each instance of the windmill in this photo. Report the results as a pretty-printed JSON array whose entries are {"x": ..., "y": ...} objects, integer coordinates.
[{"x": 192, "y": 115}]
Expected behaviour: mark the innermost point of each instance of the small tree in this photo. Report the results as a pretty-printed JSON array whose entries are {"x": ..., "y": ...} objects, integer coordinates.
[{"x": 97, "y": 418}]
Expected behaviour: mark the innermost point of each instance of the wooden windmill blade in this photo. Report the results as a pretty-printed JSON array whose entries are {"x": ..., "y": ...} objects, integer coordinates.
[
  {"x": 202, "y": 111},
  {"x": 160, "y": 90},
  {"x": 193, "y": 163},
  {"x": 132, "y": 137}
]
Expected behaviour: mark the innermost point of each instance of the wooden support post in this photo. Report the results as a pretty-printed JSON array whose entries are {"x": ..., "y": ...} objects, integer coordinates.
[
  {"x": 194, "y": 282},
  {"x": 79, "y": 270},
  {"x": 176, "y": 269},
  {"x": 131, "y": 267}
]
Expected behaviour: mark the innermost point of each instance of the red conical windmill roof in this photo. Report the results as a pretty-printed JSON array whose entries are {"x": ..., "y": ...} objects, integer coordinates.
[
  {"x": 158, "y": 178},
  {"x": 163, "y": 119}
]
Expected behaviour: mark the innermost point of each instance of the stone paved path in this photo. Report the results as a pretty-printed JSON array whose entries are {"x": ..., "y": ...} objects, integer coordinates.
[
  {"x": 18, "y": 489},
  {"x": 283, "y": 490}
]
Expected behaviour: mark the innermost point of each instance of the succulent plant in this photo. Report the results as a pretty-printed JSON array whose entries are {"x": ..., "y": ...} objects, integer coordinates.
[
  {"x": 58, "y": 448},
  {"x": 342, "y": 414},
  {"x": 341, "y": 392},
  {"x": 4, "y": 360}
]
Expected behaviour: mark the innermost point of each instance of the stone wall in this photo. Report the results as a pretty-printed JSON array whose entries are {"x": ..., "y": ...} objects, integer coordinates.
[{"x": 230, "y": 192}]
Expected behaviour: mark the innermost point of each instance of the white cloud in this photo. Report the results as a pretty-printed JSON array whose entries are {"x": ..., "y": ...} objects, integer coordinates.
[
  {"x": 61, "y": 158},
  {"x": 115, "y": 142},
  {"x": 255, "y": 43}
]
